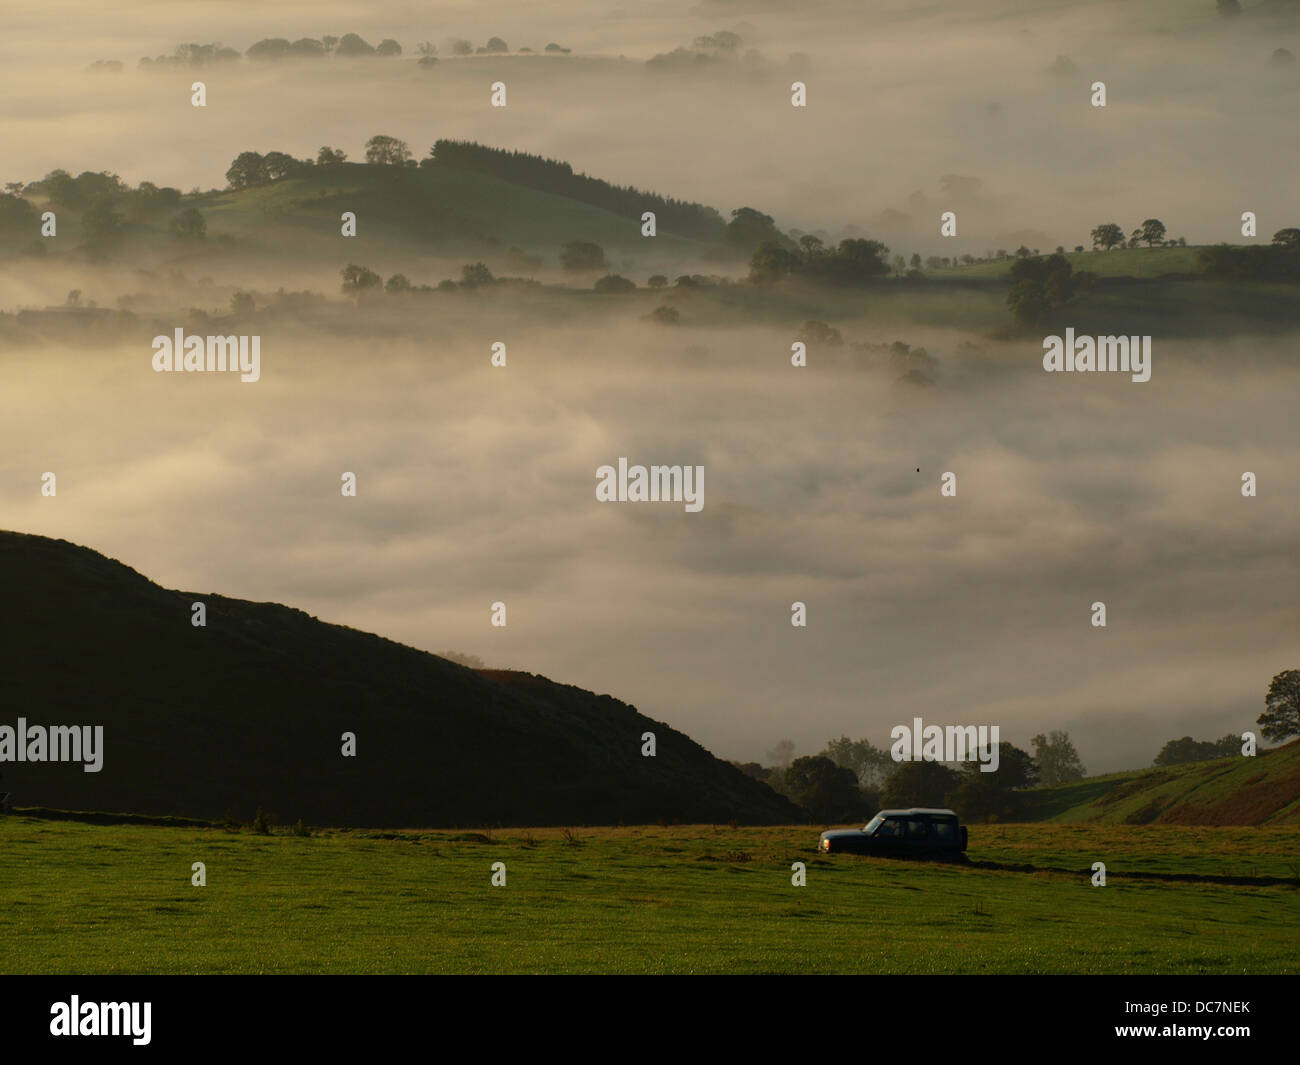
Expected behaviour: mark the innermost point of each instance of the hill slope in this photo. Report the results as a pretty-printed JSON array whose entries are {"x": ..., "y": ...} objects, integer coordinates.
[
  {"x": 1264, "y": 790},
  {"x": 432, "y": 209},
  {"x": 249, "y": 711}
]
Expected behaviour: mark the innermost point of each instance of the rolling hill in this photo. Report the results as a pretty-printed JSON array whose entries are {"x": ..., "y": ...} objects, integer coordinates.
[
  {"x": 473, "y": 203},
  {"x": 435, "y": 207},
  {"x": 1264, "y": 790},
  {"x": 249, "y": 711}
]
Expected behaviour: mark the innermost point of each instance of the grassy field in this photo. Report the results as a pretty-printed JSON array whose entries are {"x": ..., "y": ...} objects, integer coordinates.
[
  {"x": 117, "y": 899},
  {"x": 1119, "y": 262}
]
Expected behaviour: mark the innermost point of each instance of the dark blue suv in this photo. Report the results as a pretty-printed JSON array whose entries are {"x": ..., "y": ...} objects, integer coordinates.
[{"x": 914, "y": 833}]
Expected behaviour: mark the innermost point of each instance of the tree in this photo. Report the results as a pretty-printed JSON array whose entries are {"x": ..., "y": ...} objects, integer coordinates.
[
  {"x": 823, "y": 335},
  {"x": 1107, "y": 236},
  {"x": 495, "y": 44},
  {"x": 397, "y": 284},
  {"x": 269, "y": 48},
  {"x": 665, "y": 315},
  {"x": 472, "y": 274},
  {"x": 387, "y": 151},
  {"x": 749, "y": 228},
  {"x": 995, "y": 796},
  {"x": 17, "y": 216},
  {"x": 1152, "y": 232},
  {"x": 307, "y": 48},
  {"x": 613, "y": 284},
  {"x": 657, "y": 281},
  {"x": 1039, "y": 285},
  {"x": 101, "y": 224},
  {"x": 1281, "y": 717},
  {"x": 280, "y": 165},
  {"x": 189, "y": 225},
  {"x": 915, "y": 261},
  {"x": 1027, "y": 302},
  {"x": 582, "y": 255},
  {"x": 329, "y": 157},
  {"x": 857, "y": 260},
  {"x": 811, "y": 247},
  {"x": 1287, "y": 238},
  {"x": 352, "y": 45},
  {"x": 557, "y": 49},
  {"x": 462, "y": 47},
  {"x": 388, "y": 46},
  {"x": 919, "y": 784},
  {"x": 1058, "y": 761},
  {"x": 869, "y": 764},
  {"x": 1016, "y": 768},
  {"x": 782, "y": 754},
  {"x": 1182, "y": 751},
  {"x": 249, "y": 168},
  {"x": 771, "y": 262},
  {"x": 330, "y": 43},
  {"x": 357, "y": 279},
  {"x": 827, "y": 791},
  {"x": 241, "y": 303},
  {"x": 426, "y": 49}
]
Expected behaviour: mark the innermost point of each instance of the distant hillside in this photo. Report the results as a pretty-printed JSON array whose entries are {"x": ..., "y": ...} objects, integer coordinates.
[
  {"x": 432, "y": 206},
  {"x": 477, "y": 198},
  {"x": 552, "y": 175},
  {"x": 1264, "y": 790},
  {"x": 249, "y": 711}
]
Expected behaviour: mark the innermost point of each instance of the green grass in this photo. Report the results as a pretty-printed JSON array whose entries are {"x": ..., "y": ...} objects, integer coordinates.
[
  {"x": 112, "y": 899},
  {"x": 1264, "y": 790},
  {"x": 431, "y": 207},
  {"x": 1120, "y": 262},
  {"x": 1209, "y": 851}
]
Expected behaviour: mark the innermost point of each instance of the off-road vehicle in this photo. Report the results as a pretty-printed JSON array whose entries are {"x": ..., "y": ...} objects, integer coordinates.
[{"x": 915, "y": 833}]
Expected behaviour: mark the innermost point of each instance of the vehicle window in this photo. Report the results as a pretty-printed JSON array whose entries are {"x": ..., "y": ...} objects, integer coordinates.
[
  {"x": 918, "y": 829},
  {"x": 872, "y": 825},
  {"x": 943, "y": 830},
  {"x": 890, "y": 829}
]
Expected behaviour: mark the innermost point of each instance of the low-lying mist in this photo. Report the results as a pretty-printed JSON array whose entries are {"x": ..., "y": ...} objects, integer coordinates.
[
  {"x": 1195, "y": 130},
  {"x": 476, "y": 484}
]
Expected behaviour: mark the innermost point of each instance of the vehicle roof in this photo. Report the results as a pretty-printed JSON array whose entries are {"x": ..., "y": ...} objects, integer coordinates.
[{"x": 916, "y": 810}]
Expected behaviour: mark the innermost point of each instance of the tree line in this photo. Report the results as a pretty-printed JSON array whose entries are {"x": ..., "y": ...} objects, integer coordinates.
[
  {"x": 555, "y": 176},
  {"x": 347, "y": 46},
  {"x": 852, "y": 779}
]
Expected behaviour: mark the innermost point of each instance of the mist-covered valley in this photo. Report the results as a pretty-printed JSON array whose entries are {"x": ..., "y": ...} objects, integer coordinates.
[{"x": 476, "y": 482}]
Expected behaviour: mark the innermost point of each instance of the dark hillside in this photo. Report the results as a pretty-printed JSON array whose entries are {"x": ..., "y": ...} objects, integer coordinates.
[{"x": 249, "y": 711}]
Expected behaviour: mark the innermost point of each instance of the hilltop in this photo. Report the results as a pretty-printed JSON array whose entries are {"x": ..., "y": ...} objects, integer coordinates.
[
  {"x": 473, "y": 198},
  {"x": 249, "y": 710}
]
